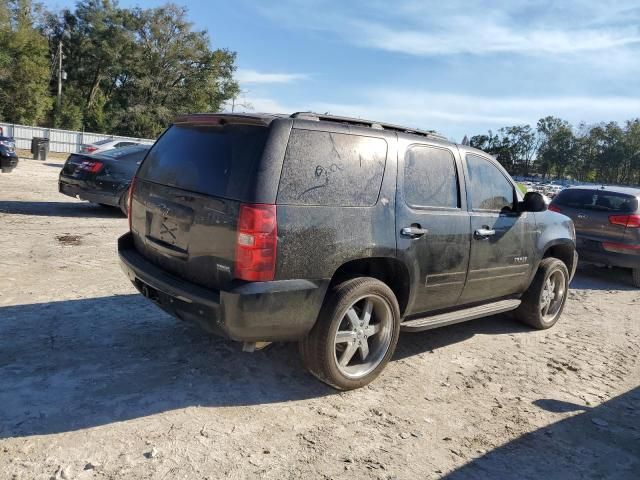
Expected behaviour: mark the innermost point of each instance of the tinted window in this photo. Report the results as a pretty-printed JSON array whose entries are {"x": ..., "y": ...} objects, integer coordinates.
[
  {"x": 597, "y": 200},
  {"x": 489, "y": 189},
  {"x": 430, "y": 178},
  {"x": 214, "y": 160},
  {"x": 103, "y": 142},
  {"x": 322, "y": 168}
]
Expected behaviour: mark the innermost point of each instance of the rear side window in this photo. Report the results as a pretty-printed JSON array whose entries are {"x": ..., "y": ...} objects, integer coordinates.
[
  {"x": 214, "y": 160},
  {"x": 597, "y": 200},
  {"x": 489, "y": 188},
  {"x": 332, "y": 169},
  {"x": 430, "y": 178}
]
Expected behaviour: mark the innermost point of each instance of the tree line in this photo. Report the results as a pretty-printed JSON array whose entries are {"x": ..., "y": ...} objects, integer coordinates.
[
  {"x": 602, "y": 153},
  {"x": 127, "y": 71}
]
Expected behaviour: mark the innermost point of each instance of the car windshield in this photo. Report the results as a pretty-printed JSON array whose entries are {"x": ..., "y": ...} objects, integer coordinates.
[{"x": 103, "y": 142}]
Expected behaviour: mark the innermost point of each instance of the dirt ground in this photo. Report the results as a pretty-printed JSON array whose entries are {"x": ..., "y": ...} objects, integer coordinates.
[{"x": 96, "y": 382}]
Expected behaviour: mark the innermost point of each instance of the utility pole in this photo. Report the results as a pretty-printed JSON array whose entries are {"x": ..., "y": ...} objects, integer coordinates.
[{"x": 59, "y": 100}]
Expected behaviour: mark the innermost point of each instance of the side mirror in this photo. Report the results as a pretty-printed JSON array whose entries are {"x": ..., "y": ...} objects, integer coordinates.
[{"x": 533, "y": 202}]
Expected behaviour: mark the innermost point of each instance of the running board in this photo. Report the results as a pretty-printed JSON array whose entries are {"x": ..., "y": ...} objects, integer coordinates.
[{"x": 442, "y": 319}]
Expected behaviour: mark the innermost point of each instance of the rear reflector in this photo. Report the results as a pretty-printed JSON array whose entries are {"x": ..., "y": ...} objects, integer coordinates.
[
  {"x": 553, "y": 208},
  {"x": 629, "y": 221},
  {"x": 132, "y": 187},
  {"x": 621, "y": 247},
  {"x": 256, "y": 243}
]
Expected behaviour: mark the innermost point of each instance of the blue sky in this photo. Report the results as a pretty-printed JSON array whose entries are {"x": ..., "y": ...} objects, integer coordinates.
[{"x": 453, "y": 66}]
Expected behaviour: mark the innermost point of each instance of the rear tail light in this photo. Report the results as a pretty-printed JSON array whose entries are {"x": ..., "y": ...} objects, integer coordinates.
[
  {"x": 553, "y": 208},
  {"x": 256, "y": 243},
  {"x": 629, "y": 221},
  {"x": 132, "y": 187},
  {"x": 90, "y": 149},
  {"x": 92, "y": 166}
]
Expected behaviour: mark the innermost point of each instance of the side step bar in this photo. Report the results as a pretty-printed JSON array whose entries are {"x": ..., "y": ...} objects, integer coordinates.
[{"x": 442, "y": 319}]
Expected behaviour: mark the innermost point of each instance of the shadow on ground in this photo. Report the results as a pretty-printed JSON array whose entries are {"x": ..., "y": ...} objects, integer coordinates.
[
  {"x": 57, "y": 165},
  {"x": 594, "y": 277},
  {"x": 81, "y": 363},
  {"x": 595, "y": 443},
  {"x": 58, "y": 209},
  {"x": 116, "y": 358},
  {"x": 411, "y": 344}
]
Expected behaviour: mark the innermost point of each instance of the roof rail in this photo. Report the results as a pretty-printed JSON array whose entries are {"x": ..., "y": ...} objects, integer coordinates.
[{"x": 366, "y": 123}]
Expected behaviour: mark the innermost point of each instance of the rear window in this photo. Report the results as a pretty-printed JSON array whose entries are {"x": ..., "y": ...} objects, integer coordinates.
[
  {"x": 124, "y": 151},
  {"x": 213, "y": 160},
  {"x": 332, "y": 169},
  {"x": 597, "y": 200}
]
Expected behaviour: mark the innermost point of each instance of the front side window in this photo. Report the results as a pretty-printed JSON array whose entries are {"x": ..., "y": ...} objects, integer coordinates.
[
  {"x": 430, "y": 177},
  {"x": 489, "y": 189}
]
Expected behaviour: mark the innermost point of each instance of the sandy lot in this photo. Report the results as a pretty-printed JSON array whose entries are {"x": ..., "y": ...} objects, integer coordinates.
[{"x": 96, "y": 382}]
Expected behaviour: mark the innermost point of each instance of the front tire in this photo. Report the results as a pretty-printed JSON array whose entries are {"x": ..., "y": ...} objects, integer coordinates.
[
  {"x": 543, "y": 302},
  {"x": 636, "y": 277},
  {"x": 355, "y": 335}
]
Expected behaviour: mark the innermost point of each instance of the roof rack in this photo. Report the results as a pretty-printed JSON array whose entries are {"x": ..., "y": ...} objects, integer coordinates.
[{"x": 366, "y": 123}]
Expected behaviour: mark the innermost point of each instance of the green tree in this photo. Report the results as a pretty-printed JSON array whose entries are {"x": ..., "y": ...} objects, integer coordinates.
[
  {"x": 174, "y": 71},
  {"x": 558, "y": 146},
  {"x": 24, "y": 64},
  {"x": 131, "y": 71}
]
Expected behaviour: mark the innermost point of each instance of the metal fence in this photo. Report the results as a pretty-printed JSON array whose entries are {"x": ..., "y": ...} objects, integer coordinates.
[{"x": 64, "y": 141}]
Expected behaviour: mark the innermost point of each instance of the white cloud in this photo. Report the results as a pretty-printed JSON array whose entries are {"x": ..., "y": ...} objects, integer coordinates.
[
  {"x": 486, "y": 38},
  {"x": 454, "y": 114},
  {"x": 420, "y": 28},
  {"x": 253, "y": 77}
]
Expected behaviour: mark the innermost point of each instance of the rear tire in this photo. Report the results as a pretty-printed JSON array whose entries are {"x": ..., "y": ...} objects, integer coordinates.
[
  {"x": 543, "y": 302},
  {"x": 636, "y": 277},
  {"x": 355, "y": 335}
]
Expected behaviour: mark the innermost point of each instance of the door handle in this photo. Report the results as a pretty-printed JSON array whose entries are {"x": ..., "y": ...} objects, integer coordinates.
[
  {"x": 484, "y": 233},
  {"x": 413, "y": 232}
]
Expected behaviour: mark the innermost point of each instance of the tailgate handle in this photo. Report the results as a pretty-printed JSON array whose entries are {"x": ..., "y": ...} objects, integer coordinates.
[{"x": 166, "y": 248}]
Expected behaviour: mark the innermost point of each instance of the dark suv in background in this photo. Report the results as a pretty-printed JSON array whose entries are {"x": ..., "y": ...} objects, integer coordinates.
[
  {"x": 337, "y": 233},
  {"x": 607, "y": 222}
]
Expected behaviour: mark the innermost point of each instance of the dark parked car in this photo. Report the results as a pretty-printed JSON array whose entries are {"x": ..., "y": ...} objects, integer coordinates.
[
  {"x": 607, "y": 222},
  {"x": 8, "y": 155},
  {"x": 337, "y": 233},
  {"x": 103, "y": 178}
]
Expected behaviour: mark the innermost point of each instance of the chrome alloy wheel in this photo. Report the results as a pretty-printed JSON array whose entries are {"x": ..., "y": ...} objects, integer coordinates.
[
  {"x": 552, "y": 296},
  {"x": 363, "y": 336}
]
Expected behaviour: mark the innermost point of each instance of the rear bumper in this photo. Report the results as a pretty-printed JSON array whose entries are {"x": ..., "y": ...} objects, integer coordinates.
[
  {"x": 260, "y": 311},
  {"x": 8, "y": 162},
  {"x": 610, "y": 258},
  {"x": 79, "y": 189}
]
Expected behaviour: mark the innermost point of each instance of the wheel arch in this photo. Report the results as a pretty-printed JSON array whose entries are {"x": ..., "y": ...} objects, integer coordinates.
[
  {"x": 388, "y": 270},
  {"x": 564, "y": 250}
]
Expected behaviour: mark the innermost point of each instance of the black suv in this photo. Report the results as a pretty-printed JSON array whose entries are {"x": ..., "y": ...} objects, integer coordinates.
[
  {"x": 607, "y": 222},
  {"x": 337, "y": 233}
]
